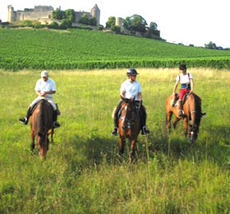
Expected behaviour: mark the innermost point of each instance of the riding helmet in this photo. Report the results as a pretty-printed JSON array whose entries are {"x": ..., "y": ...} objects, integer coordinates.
[
  {"x": 131, "y": 71},
  {"x": 182, "y": 66}
]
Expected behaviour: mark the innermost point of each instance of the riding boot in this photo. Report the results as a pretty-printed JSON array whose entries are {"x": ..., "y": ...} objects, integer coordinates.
[
  {"x": 143, "y": 117},
  {"x": 116, "y": 119},
  {"x": 25, "y": 119},
  {"x": 181, "y": 113},
  {"x": 55, "y": 123}
]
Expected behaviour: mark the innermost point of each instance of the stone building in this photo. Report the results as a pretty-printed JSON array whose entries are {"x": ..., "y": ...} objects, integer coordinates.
[{"x": 44, "y": 14}]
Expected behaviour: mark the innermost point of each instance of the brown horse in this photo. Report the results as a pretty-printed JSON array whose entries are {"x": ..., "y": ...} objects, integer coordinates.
[
  {"x": 129, "y": 124},
  {"x": 192, "y": 114},
  {"x": 42, "y": 126}
]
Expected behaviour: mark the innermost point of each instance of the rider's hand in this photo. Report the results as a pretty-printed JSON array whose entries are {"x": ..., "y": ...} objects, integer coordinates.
[{"x": 43, "y": 94}]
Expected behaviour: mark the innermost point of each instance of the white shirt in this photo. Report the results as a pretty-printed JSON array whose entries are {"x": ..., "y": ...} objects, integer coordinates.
[
  {"x": 184, "y": 79},
  {"x": 43, "y": 86},
  {"x": 130, "y": 89}
]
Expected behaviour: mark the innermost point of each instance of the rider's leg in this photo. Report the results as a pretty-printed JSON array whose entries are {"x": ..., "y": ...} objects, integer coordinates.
[
  {"x": 181, "y": 112},
  {"x": 25, "y": 119},
  {"x": 143, "y": 117},
  {"x": 182, "y": 92},
  {"x": 116, "y": 118},
  {"x": 55, "y": 113}
]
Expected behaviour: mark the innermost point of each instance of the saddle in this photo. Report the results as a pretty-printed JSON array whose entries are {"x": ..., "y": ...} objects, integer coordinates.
[
  {"x": 176, "y": 98},
  {"x": 34, "y": 107}
]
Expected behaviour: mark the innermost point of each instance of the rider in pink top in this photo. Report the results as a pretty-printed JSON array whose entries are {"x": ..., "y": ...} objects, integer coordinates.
[{"x": 187, "y": 85}]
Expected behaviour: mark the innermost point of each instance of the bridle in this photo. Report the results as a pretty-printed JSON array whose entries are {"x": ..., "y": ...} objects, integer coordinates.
[{"x": 128, "y": 121}]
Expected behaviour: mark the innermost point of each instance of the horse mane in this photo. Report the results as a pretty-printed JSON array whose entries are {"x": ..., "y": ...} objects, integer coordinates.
[
  {"x": 41, "y": 117},
  {"x": 197, "y": 109}
]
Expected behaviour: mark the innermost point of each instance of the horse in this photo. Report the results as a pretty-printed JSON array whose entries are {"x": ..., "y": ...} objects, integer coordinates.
[
  {"x": 129, "y": 124},
  {"x": 42, "y": 127},
  {"x": 192, "y": 114}
]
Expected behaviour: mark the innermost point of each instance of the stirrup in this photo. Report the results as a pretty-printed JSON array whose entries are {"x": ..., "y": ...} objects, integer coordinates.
[
  {"x": 56, "y": 124},
  {"x": 115, "y": 131},
  {"x": 144, "y": 130},
  {"x": 23, "y": 120},
  {"x": 181, "y": 113}
]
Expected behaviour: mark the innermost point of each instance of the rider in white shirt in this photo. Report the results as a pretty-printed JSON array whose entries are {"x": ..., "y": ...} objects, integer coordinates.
[
  {"x": 45, "y": 88},
  {"x": 130, "y": 88}
]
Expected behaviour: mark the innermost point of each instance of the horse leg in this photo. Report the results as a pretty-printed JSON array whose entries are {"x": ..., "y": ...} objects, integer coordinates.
[
  {"x": 48, "y": 142},
  {"x": 168, "y": 119},
  {"x": 122, "y": 145},
  {"x": 52, "y": 137},
  {"x": 176, "y": 120},
  {"x": 133, "y": 147},
  {"x": 32, "y": 145},
  {"x": 186, "y": 126}
]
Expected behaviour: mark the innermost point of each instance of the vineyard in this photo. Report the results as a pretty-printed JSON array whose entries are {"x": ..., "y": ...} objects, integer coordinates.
[{"x": 84, "y": 49}]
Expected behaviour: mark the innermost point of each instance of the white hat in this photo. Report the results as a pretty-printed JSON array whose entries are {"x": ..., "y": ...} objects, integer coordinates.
[{"x": 44, "y": 74}]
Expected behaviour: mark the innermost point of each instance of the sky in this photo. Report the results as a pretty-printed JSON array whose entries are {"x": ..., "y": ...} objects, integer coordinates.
[{"x": 196, "y": 22}]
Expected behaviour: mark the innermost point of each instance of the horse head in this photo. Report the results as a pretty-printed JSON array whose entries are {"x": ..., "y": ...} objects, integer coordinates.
[
  {"x": 41, "y": 123},
  {"x": 42, "y": 143},
  {"x": 195, "y": 115},
  {"x": 193, "y": 132}
]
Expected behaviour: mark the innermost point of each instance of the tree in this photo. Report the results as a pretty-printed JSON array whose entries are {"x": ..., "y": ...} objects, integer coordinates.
[
  {"x": 116, "y": 29},
  {"x": 53, "y": 25},
  {"x": 135, "y": 23},
  {"x": 27, "y": 22},
  {"x": 65, "y": 24},
  {"x": 58, "y": 14},
  {"x": 38, "y": 25},
  {"x": 210, "y": 45},
  {"x": 111, "y": 22},
  {"x": 153, "y": 25},
  {"x": 93, "y": 21},
  {"x": 84, "y": 19},
  {"x": 70, "y": 15}
]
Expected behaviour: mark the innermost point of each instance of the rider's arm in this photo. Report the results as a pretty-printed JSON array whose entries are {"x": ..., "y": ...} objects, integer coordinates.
[
  {"x": 139, "y": 96},
  {"x": 45, "y": 93},
  {"x": 192, "y": 85},
  {"x": 175, "y": 87},
  {"x": 39, "y": 93},
  {"x": 122, "y": 94}
]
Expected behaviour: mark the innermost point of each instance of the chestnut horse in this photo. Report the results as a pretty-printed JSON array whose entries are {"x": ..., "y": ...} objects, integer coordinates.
[
  {"x": 129, "y": 124},
  {"x": 42, "y": 126},
  {"x": 192, "y": 114}
]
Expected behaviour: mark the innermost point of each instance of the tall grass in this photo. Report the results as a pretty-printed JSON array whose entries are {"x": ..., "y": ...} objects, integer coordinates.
[{"x": 83, "y": 172}]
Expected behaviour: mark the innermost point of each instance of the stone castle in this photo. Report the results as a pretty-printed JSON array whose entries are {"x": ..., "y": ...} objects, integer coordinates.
[{"x": 44, "y": 14}]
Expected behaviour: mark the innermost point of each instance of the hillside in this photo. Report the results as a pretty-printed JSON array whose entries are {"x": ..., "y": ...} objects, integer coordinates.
[{"x": 33, "y": 49}]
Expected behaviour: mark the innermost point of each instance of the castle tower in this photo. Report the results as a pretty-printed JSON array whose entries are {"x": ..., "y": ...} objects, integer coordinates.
[
  {"x": 95, "y": 12},
  {"x": 119, "y": 21},
  {"x": 11, "y": 16}
]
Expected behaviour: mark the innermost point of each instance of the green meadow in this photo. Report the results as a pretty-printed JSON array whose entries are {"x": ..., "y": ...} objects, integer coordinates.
[{"x": 83, "y": 172}]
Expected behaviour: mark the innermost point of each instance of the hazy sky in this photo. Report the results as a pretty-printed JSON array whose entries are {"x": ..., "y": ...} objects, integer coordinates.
[{"x": 181, "y": 21}]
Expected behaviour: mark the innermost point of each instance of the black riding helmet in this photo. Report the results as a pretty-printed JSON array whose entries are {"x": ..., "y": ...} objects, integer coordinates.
[
  {"x": 131, "y": 72},
  {"x": 182, "y": 66}
]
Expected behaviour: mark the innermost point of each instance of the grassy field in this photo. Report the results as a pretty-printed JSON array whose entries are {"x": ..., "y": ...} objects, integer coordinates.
[{"x": 83, "y": 172}]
